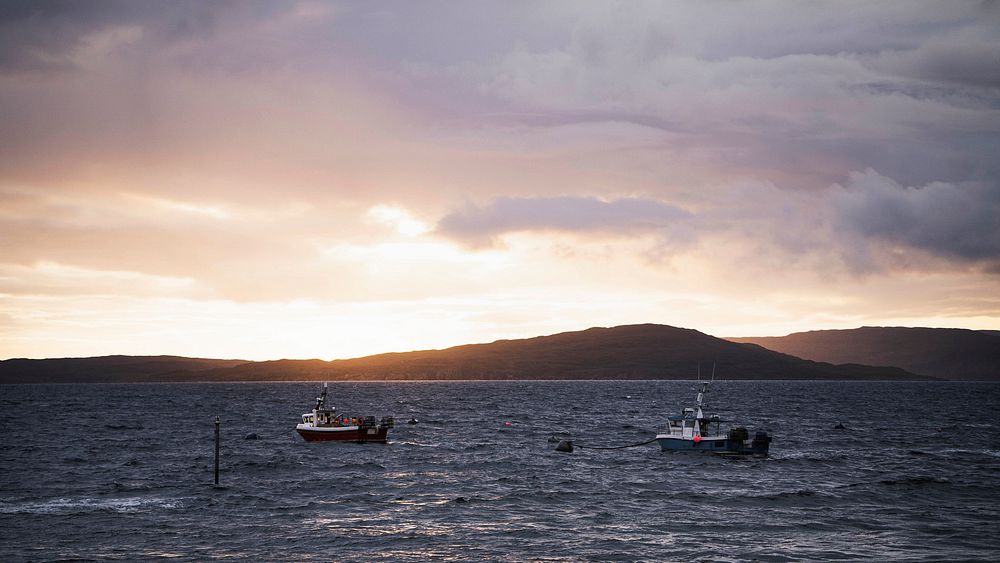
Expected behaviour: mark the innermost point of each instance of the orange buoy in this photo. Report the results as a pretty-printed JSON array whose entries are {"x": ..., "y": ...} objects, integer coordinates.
[{"x": 697, "y": 439}]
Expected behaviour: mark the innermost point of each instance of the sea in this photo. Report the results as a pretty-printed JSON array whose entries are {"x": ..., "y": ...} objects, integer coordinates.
[{"x": 98, "y": 472}]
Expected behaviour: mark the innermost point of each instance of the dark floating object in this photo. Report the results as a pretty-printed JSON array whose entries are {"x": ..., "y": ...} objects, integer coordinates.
[
  {"x": 565, "y": 446},
  {"x": 840, "y": 426},
  {"x": 461, "y": 500},
  {"x": 252, "y": 436},
  {"x": 412, "y": 421}
]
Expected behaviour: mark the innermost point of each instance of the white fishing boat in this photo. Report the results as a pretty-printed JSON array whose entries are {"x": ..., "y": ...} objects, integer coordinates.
[
  {"x": 324, "y": 423},
  {"x": 692, "y": 431}
]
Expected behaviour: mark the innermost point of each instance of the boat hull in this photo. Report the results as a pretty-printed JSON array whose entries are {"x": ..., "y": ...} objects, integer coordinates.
[
  {"x": 719, "y": 446},
  {"x": 343, "y": 434}
]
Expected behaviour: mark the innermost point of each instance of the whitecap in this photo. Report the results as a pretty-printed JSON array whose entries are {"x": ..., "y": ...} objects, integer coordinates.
[{"x": 66, "y": 505}]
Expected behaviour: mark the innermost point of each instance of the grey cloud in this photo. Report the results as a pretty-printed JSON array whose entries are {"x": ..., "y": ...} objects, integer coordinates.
[
  {"x": 42, "y": 35},
  {"x": 481, "y": 225},
  {"x": 868, "y": 225},
  {"x": 954, "y": 221},
  {"x": 872, "y": 224},
  {"x": 961, "y": 58},
  {"x": 904, "y": 81},
  {"x": 796, "y": 95}
]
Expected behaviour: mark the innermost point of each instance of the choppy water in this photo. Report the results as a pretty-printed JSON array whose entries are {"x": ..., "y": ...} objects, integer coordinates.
[{"x": 124, "y": 472}]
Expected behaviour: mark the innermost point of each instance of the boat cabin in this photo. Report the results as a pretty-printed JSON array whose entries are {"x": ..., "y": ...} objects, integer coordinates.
[
  {"x": 323, "y": 416},
  {"x": 329, "y": 418},
  {"x": 688, "y": 425}
]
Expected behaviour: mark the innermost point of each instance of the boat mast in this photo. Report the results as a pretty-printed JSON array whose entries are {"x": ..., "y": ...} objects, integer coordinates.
[
  {"x": 321, "y": 400},
  {"x": 704, "y": 390}
]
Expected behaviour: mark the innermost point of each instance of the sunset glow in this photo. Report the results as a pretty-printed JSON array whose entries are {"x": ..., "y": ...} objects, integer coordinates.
[{"x": 331, "y": 180}]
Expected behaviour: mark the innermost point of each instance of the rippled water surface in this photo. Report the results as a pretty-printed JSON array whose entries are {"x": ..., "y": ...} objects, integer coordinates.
[{"x": 94, "y": 472}]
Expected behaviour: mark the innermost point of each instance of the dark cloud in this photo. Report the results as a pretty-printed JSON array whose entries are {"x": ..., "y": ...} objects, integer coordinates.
[
  {"x": 481, "y": 225},
  {"x": 39, "y": 35},
  {"x": 871, "y": 224},
  {"x": 953, "y": 221},
  {"x": 43, "y": 35},
  {"x": 957, "y": 60}
]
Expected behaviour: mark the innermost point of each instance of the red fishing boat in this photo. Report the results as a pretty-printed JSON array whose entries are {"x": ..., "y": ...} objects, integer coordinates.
[{"x": 324, "y": 423}]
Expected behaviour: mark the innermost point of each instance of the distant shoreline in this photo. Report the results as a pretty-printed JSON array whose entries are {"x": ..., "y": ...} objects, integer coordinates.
[
  {"x": 646, "y": 352},
  {"x": 426, "y": 381}
]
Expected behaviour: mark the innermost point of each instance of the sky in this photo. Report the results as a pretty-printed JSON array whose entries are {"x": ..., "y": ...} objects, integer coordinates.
[{"x": 266, "y": 180}]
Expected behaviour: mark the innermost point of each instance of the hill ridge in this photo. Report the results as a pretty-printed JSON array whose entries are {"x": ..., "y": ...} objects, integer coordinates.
[
  {"x": 640, "y": 351},
  {"x": 949, "y": 353}
]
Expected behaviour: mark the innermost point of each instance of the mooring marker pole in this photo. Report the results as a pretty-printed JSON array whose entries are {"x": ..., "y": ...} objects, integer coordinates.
[{"x": 216, "y": 450}]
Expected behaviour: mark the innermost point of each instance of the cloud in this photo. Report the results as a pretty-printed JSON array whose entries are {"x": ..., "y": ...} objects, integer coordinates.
[
  {"x": 627, "y": 216},
  {"x": 50, "y": 279},
  {"x": 47, "y": 36},
  {"x": 272, "y": 151},
  {"x": 870, "y": 224},
  {"x": 952, "y": 221},
  {"x": 798, "y": 97},
  {"x": 793, "y": 96},
  {"x": 962, "y": 57}
]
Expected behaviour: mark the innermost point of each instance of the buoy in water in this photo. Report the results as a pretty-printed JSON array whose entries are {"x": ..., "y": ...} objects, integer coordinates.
[
  {"x": 412, "y": 421},
  {"x": 565, "y": 446},
  {"x": 508, "y": 423},
  {"x": 697, "y": 439}
]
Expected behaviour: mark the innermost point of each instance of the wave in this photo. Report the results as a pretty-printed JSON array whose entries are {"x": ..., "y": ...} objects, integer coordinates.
[
  {"x": 915, "y": 481},
  {"x": 984, "y": 451},
  {"x": 453, "y": 488},
  {"x": 64, "y": 505},
  {"x": 133, "y": 486}
]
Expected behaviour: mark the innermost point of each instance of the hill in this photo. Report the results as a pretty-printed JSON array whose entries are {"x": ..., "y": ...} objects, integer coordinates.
[
  {"x": 948, "y": 353},
  {"x": 107, "y": 369},
  {"x": 626, "y": 352},
  {"x": 645, "y": 351}
]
